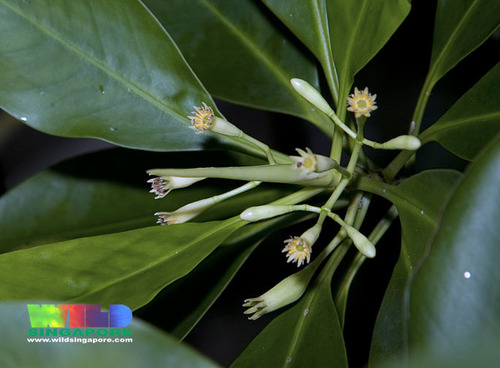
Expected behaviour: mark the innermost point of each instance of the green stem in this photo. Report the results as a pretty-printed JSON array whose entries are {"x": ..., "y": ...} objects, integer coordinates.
[
  {"x": 343, "y": 290},
  {"x": 400, "y": 160},
  {"x": 235, "y": 192},
  {"x": 299, "y": 196},
  {"x": 423, "y": 98},
  {"x": 391, "y": 170},
  {"x": 345, "y": 181},
  {"x": 264, "y": 147}
]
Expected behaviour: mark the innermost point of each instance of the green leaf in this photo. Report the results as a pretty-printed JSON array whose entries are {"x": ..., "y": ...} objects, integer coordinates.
[
  {"x": 460, "y": 27},
  {"x": 303, "y": 16},
  {"x": 150, "y": 347},
  {"x": 241, "y": 55},
  {"x": 345, "y": 34},
  {"x": 455, "y": 299},
  {"x": 419, "y": 212},
  {"x": 306, "y": 335},
  {"x": 107, "y": 192},
  {"x": 359, "y": 29},
  {"x": 472, "y": 121},
  {"x": 128, "y": 268},
  {"x": 104, "y": 69}
]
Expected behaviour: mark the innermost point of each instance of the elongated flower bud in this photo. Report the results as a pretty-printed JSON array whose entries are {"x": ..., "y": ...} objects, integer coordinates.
[
  {"x": 282, "y": 173},
  {"x": 360, "y": 241},
  {"x": 403, "y": 142},
  {"x": 311, "y": 94},
  {"x": 258, "y": 213}
]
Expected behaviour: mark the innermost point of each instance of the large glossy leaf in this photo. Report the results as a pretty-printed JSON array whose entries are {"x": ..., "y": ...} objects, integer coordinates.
[
  {"x": 100, "y": 68},
  {"x": 124, "y": 268},
  {"x": 346, "y": 34},
  {"x": 240, "y": 54},
  {"x": 302, "y": 16},
  {"x": 473, "y": 121},
  {"x": 306, "y": 335},
  {"x": 150, "y": 347},
  {"x": 419, "y": 201},
  {"x": 107, "y": 192},
  {"x": 359, "y": 29},
  {"x": 460, "y": 27},
  {"x": 455, "y": 298}
]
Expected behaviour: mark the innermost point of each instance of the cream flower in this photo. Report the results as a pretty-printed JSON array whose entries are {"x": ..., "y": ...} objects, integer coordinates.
[
  {"x": 362, "y": 103},
  {"x": 297, "y": 250},
  {"x": 162, "y": 185},
  {"x": 203, "y": 119}
]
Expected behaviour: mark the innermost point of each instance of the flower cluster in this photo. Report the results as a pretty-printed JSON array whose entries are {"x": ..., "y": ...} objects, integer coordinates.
[{"x": 314, "y": 172}]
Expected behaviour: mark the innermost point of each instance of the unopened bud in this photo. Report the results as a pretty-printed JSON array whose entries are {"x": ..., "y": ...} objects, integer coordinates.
[
  {"x": 258, "y": 213},
  {"x": 311, "y": 94},
  {"x": 360, "y": 241},
  {"x": 403, "y": 142}
]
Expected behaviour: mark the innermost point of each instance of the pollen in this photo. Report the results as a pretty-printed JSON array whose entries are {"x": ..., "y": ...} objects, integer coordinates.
[
  {"x": 362, "y": 103},
  {"x": 203, "y": 118},
  {"x": 297, "y": 250}
]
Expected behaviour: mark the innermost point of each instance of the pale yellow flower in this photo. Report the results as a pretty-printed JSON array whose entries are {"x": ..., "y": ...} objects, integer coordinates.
[
  {"x": 361, "y": 103},
  {"x": 203, "y": 119},
  {"x": 297, "y": 250}
]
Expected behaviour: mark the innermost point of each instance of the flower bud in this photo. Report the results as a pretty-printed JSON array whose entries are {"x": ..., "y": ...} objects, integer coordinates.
[
  {"x": 360, "y": 241},
  {"x": 258, "y": 213},
  {"x": 403, "y": 142},
  {"x": 311, "y": 94}
]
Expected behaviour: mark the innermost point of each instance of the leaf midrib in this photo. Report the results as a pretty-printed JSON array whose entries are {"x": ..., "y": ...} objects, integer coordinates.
[
  {"x": 280, "y": 74},
  {"x": 447, "y": 45},
  {"x": 348, "y": 53},
  {"x": 72, "y": 47},
  {"x": 161, "y": 260},
  {"x": 325, "y": 41},
  {"x": 454, "y": 124}
]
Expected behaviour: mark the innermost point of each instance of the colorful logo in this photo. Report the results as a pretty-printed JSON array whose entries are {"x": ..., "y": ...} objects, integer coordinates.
[{"x": 78, "y": 315}]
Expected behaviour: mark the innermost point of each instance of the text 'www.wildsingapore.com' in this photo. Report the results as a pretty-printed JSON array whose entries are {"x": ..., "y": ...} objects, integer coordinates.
[
  {"x": 80, "y": 340},
  {"x": 79, "y": 323}
]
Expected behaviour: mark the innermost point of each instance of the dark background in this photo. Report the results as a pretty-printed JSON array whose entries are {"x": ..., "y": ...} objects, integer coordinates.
[{"x": 396, "y": 74}]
